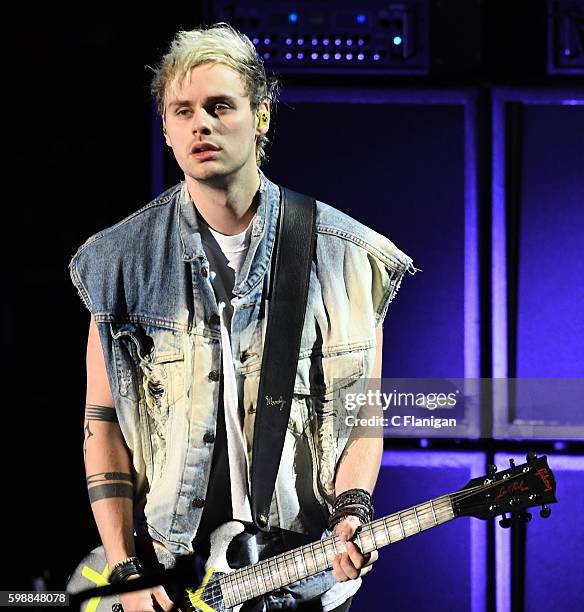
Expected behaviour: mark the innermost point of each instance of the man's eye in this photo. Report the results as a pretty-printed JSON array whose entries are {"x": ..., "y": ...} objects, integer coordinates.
[{"x": 220, "y": 106}]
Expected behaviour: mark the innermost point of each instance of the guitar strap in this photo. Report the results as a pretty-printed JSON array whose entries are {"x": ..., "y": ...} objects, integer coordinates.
[{"x": 294, "y": 246}]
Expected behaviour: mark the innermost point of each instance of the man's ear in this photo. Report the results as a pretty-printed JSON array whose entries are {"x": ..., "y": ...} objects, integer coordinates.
[
  {"x": 263, "y": 118},
  {"x": 165, "y": 132}
]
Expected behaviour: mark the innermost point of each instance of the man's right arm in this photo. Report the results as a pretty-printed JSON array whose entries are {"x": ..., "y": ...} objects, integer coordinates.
[
  {"x": 109, "y": 474},
  {"x": 107, "y": 459}
]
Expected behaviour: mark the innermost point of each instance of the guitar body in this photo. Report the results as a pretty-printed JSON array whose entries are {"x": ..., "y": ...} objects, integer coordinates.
[{"x": 233, "y": 545}]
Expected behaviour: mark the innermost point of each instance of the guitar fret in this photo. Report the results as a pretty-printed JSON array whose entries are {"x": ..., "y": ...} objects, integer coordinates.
[
  {"x": 416, "y": 517},
  {"x": 384, "y": 521},
  {"x": 433, "y": 512},
  {"x": 269, "y": 574},
  {"x": 401, "y": 525},
  {"x": 286, "y": 568},
  {"x": 237, "y": 585},
  {"x": 334, "y": 545},
  {"x": 246, "y": 581},
  {"x": 372, "y": 537},
  {"x": 305, "y": 571},
  {"x": 275, "y": 572},
  {"x": 358, "y": 540},
  {"x": 313, "y": 557},
  {"x": 325, "y": 558},
  {"x": 259, "y": 575},
  {"x": 253, "y": 581},
  {"x": 255, "y": 575}
]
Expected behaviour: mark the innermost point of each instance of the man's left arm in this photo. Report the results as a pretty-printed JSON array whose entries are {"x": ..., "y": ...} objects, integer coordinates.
[{"x": 358, "y": 469}]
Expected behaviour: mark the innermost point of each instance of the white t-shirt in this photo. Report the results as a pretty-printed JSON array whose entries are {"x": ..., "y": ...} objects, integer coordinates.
[{"x": 226, "y": 255}]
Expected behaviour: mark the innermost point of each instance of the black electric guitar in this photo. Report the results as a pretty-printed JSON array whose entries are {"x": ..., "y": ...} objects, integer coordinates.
[{"x": 225, "y": 589}]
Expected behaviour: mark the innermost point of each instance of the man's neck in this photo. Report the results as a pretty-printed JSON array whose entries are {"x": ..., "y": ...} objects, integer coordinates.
[{"x": 227, "y": 206}]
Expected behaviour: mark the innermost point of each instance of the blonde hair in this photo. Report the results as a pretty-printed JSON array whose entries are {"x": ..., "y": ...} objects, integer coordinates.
[{"x": 221, "y": 44}]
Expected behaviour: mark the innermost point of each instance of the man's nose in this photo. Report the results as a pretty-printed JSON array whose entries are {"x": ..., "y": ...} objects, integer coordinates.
[{"x": 201, "y": 121}]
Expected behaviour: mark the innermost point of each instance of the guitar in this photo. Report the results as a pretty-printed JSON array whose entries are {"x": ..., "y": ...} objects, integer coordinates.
[{"x": 226, "y": 589}]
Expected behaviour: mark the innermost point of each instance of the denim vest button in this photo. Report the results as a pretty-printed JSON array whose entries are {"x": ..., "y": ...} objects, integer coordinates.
[
  {"x": 214, "y": 319},
  {"x": 214, "y": 375},
  {"x": 204, "y": 272},
  {"x": 198, "y": 502},
  {"x": 209, "y": 437}
]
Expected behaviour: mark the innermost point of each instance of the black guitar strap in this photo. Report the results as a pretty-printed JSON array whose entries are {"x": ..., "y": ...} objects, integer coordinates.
[{"x": 294, "y": 248}]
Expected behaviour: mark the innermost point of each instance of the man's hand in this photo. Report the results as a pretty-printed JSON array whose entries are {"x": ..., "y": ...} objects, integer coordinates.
[
  {"x": 351, "y": 564},
  {"x": 150, "y": 599}
]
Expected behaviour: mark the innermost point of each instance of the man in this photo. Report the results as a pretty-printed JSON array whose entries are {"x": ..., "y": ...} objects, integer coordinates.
[{"x": 177, "y": 293}]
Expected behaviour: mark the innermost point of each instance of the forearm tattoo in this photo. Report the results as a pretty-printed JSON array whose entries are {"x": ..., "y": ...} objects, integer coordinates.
[
  {"x": 105, "y": 485},
  {"x": 94, "y": 412}
]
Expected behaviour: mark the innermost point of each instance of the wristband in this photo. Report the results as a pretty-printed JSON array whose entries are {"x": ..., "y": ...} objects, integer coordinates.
[{"x": 130, "y": 567}]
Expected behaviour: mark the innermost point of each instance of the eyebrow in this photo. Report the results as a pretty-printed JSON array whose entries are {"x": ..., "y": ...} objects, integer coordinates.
[{"x": 219, "y": 98}]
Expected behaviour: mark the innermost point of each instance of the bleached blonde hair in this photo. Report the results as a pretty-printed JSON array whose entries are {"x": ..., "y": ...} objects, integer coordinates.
[{"x": 221, "y": 44}]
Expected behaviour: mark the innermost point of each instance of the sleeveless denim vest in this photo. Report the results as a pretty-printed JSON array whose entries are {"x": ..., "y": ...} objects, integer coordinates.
[{"x": 145, "y": 280}]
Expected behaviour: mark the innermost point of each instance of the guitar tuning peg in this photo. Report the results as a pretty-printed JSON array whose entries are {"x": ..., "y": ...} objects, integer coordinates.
[
  {"x": 545, "y": 511},
  {"x": 512, "y": 462},
  {"x": 491, "y": 469},
  {"x": 525, "y": 516},
  {"x": 531, "y": 455},
  {"x": 505, "y": 522}
]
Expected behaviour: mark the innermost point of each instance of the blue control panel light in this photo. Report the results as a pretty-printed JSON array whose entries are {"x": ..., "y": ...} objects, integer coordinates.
[
  {"x": 293, "y": 17},
  {"x": 397, "y": 40},
  {"x": 361, "y": 18}
]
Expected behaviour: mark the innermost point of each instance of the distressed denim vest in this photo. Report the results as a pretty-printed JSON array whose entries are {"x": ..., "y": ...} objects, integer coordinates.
[{"x": 146, "y": 282}]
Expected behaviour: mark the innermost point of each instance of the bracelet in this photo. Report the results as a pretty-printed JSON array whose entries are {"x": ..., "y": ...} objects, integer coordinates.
[
  {"x": 130, "y": 567},
  {"x": 354, "y": 502}
]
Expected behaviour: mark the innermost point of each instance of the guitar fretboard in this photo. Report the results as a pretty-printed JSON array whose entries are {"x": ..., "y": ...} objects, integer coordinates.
[{"x": 261, "y": 578}]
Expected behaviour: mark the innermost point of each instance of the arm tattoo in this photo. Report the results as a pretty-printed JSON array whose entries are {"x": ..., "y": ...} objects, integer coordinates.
[
  {"x": 110, "y": 490},
  {"x": 105, "y": 485},
  {"x": 103, "y": 476},
  {"x": 94, "y": 412}
]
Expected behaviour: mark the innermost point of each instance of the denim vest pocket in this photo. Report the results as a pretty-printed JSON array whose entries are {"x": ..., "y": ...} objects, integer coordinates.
[
  {"x": 321, "y": 382},
  {"x": 154, "y": 359}
]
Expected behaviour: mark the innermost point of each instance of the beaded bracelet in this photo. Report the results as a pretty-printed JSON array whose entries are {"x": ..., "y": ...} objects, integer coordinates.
[{"x": 130, "y": 567}]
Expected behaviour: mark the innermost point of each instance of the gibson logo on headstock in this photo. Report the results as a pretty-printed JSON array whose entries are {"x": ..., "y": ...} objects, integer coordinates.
[
  {"x": 512, "y": 487},
  {"x": 545, "y": 478}
]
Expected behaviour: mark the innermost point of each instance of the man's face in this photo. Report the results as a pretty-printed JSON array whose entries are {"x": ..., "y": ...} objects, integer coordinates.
[{"x": 210, "y": 124}]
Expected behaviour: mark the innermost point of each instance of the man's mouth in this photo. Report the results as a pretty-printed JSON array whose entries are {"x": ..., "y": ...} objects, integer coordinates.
[{"x": 201, "y": 147}]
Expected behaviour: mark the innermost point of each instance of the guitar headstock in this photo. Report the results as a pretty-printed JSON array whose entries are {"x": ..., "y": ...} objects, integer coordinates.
[{"x": 513, "y": 490}]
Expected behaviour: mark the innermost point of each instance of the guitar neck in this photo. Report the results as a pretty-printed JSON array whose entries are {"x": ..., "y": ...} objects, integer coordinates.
[{"x": 266, "y": 576}]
